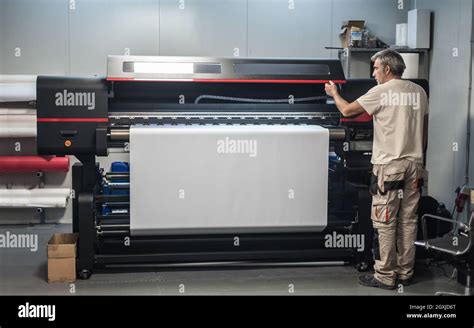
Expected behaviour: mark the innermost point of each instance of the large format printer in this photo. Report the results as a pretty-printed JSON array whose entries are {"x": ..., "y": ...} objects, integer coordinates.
[{"x": 231, "y": 160}]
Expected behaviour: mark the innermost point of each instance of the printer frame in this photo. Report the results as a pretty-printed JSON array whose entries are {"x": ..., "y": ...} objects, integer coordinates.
[{"x": 242, "y": 88}]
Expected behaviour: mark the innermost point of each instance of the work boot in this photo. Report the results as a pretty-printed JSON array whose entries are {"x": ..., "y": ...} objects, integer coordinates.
[
  {"x": 405, "y": 282},
  {"x": 370, "y": 281}
]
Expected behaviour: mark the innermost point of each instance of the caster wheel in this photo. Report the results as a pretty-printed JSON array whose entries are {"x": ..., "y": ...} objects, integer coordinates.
[
  {"x": 362, "y": 266},
  {"x": 84, "y": 274}
]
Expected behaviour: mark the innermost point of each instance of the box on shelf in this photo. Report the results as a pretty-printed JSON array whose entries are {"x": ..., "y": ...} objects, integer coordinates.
[{"x": 351, "y": 33}]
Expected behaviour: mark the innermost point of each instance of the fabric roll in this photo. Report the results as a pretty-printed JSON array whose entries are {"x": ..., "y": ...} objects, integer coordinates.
[
  {"x": 412, "y": 63},
  {"x": 228, "y": 179},
  {"x": 18, "y": 78},
  {"x": 25, "y": 164},
  {"x": 12, "y": 92},
  {"x": 17, "y": 123},
  {"x": 43, "y": 198}
]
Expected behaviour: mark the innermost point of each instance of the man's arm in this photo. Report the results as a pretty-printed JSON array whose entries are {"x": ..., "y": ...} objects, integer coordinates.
[{"x": 346, "y": 108}]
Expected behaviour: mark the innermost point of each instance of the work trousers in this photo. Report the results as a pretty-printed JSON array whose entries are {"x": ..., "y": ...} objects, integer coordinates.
[{"x": 395, "y": 190}]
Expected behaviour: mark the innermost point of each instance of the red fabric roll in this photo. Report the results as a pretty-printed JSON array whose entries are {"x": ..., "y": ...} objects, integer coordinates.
[{"x": 22, "y": 164}]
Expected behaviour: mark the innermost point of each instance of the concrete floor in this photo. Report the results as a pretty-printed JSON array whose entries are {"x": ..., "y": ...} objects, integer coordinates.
[{"x": 23, "y": 272}]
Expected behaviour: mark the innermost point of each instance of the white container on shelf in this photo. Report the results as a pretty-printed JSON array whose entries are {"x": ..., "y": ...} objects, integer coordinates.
[
  {"x": 419, "y": 28},
  {"x": 402, "y": 35}
]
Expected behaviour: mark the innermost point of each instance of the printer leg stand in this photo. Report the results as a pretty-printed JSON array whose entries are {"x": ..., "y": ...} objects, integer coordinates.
[
  {"x": 84, "y": 181},
  {"x": 86, "y": 243}
]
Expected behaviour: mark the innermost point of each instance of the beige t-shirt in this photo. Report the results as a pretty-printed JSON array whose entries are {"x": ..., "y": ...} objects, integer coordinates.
[{"x": 398, "y": 108}]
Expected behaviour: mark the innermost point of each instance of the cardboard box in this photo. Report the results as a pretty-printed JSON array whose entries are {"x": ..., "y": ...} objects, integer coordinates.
[
  {"x": 352, "y": 31},
  {"x": 62, "y": 250}
]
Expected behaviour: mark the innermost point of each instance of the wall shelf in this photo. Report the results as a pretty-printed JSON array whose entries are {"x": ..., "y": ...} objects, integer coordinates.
[{"x": 356, "y": 61}]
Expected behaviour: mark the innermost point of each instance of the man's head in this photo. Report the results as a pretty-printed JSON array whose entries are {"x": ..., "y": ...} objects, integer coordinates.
[{"x": 388, "y": 65}]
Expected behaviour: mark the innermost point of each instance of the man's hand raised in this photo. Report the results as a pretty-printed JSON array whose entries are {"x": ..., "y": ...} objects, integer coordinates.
[{"x": 331, "y": 89}]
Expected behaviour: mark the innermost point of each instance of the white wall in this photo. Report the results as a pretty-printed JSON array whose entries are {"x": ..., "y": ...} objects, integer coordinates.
[{"x": 56, "y": 39}]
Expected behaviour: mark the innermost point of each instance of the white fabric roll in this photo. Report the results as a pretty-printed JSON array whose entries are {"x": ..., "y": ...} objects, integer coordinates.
[
  {"x": 44, "y": 198},
  {"x": 412, "y": 62},
  {"x": 17, "y": 111},
  {"x": 17, "y": 92},
  {"x": 18, "y": 78},
  {"x": 201, "y": 179},
  {"x": 17, "y": 123}
]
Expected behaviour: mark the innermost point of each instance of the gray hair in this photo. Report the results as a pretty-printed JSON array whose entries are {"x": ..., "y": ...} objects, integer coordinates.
[{"x": 392, "y": 59}]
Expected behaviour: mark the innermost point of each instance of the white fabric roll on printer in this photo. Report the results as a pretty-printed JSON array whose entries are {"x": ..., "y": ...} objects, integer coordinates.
[{"x": 240, "y": 178}]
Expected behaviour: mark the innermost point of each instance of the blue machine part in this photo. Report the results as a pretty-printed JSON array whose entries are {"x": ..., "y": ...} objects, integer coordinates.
[
  {"x": 334, "y": 160},
  {"x": 116, "y": 167},
  {"x": 119, "y": 167}
]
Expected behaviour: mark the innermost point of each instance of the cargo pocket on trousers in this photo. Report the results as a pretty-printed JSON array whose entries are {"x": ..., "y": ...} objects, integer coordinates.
[{"x": 380, "y": 210}]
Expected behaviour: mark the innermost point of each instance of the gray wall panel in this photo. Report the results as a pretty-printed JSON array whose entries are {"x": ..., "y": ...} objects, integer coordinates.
[
  {"x": 276, "y": 30},
  {"x": 203, "y": 27},
  {"x": 449, "y": 22},
  {"x": 2, "y": 31},
  {"x": 106, "y": 27},
  {"x": 39, "y": 29},
  {"x": 471, "y": 116},
  {"x": 449, "y": 80}
]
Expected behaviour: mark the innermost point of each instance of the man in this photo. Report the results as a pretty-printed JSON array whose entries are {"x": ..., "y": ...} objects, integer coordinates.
[{"x": 399, "y": 109}]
